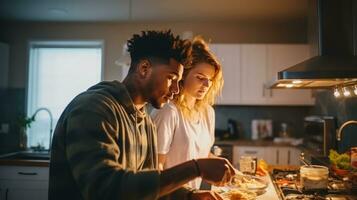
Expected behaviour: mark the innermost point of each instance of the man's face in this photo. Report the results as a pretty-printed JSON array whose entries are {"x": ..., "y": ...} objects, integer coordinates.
[{"x": 163, "y": 83}]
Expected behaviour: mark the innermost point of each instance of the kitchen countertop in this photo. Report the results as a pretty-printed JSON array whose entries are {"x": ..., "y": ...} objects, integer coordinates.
[
  {"x": 270, "y": 193},
  {"x": 252, "y": 143},
  {"x": 6, "y": 159}
]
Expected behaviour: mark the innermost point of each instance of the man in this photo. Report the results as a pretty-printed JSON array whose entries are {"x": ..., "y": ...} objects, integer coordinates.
[{"x": 104, "y": 145}]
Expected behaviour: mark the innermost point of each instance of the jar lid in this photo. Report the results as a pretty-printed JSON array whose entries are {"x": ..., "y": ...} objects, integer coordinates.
[{"x": 315, "y": 169}]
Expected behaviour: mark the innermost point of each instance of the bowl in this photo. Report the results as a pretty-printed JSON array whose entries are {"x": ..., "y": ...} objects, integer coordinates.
[{"x": 340, "y": 172}]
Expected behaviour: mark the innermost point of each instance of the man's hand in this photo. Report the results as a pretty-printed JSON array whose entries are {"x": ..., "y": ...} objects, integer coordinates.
[
  {"x": 205, "y": 195},
  {"x": 216, "y": 171}
]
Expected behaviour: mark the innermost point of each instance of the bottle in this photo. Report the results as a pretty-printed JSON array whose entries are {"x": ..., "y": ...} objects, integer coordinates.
[{"x": 284, "y": 130}]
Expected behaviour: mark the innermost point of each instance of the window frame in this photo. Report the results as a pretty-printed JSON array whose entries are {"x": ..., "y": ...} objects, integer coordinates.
[{"x": 32, "y": 72}]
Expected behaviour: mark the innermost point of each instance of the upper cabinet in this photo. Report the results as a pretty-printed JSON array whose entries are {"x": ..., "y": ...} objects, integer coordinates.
[
  {"x": 227, "y": 56},
  {"x": 248, "y": 69},
  {"x": 280, "y": 57},
  {"x": 254, "y": 74},
  {"x": 4, "y": 65}
]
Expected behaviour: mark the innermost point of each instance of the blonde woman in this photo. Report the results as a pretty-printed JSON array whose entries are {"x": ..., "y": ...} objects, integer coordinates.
[{"x": 186, "y": 125}]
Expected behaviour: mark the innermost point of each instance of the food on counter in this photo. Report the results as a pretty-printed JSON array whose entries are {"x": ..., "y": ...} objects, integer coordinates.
[
  {"x": 340, "y": 161},
  {"x": 249, "y": 183},
  {"x": 236, "y": 194},
  {"x": 262, "y": 168}
]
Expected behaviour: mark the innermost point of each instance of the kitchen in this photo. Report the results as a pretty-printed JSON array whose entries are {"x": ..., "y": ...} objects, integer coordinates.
[{"x": 257, "y": 33}]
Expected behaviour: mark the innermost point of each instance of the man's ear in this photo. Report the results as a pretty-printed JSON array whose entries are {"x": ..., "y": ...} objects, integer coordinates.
[{"x": 144, "y": 68}]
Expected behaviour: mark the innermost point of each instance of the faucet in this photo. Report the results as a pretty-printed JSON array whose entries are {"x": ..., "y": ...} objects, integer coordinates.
[
  {"x": 51, "y": 121},
  {"x": 339, "y": 131}
]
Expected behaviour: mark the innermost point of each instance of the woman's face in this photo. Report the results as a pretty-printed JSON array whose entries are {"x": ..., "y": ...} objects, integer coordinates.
[{"x": 198, "y": 80}]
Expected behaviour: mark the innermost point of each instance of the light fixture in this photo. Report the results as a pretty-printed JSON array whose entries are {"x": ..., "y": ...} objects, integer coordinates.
[
  {"x": 346, "y": 92},
  {"x": 336, "y": 93},
  {"x": 355, "y": 90}
]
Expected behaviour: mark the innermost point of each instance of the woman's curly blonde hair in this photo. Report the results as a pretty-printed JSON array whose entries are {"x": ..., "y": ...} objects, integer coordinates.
[{"x": 201, "y": 53}]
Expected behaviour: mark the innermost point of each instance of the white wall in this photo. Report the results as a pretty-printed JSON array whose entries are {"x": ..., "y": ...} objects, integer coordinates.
[{"x": 115, "y": 35}]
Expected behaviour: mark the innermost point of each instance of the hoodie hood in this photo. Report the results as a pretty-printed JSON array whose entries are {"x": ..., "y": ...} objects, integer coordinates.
[{"x": 121, "y": 94}]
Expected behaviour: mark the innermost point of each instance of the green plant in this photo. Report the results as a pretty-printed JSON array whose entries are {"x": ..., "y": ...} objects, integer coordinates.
[{"x": 25, "y": 122}]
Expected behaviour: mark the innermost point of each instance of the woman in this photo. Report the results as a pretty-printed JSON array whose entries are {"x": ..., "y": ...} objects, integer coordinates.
[{"x": 186, "y": 125}]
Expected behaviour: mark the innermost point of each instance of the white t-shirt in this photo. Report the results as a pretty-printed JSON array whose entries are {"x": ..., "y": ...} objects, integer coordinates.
[{"x": 181, "y": 139}]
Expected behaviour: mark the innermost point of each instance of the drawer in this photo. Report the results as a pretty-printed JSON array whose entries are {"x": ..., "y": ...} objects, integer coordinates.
[
  {"x": 251, "y": 151},
  {"x": 24, "y": 173}
]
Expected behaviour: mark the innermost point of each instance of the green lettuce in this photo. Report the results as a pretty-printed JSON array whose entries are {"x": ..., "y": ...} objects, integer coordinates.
[{"x": 341, "y": 161}]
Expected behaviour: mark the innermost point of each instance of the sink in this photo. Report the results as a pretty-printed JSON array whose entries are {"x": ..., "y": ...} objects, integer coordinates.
[{"x": 27, "y": 156}]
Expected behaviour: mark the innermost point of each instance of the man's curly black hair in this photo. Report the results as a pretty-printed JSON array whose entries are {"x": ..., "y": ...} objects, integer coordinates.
[{"x": 161, "y": 45}]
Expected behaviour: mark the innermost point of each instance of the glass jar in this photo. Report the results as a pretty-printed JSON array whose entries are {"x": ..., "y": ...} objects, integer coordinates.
[
  {"x": 248, "y": 164},
  {"x": 314, "y": 177}
]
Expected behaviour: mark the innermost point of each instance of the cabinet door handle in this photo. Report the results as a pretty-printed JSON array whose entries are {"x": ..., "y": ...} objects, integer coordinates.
[
  {"x": 288, "y": 157},
  {"x": 27, "y": 173},
  {"x": 250, "y": 152},
  {"x": 277, "y": 156}
]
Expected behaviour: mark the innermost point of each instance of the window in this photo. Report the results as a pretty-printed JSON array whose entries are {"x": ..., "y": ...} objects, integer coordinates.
[{"x": 58, "y": 71}]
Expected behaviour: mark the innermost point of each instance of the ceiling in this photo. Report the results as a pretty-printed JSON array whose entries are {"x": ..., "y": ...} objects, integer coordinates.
[{"x": 152, "y": 10}]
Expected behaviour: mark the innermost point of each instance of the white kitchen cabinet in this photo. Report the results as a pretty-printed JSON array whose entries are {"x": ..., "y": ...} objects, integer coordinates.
[
  {"x": 229, "y": 57},
  {"x": 283, "y": 156},
  {"x": 280, "y": 57},
  {"x": 295, "y": 156},
  {"x": 254, "y": 70},
  {"x": 273, "y": 155},
  {"x": 21, "y": 183},
  {"x": 248, "y": 69},
  {"x": 4, "y": 65},
  {"x": 287, "y": 156}
]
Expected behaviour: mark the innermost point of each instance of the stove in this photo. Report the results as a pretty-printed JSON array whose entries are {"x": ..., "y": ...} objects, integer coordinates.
[{"x": 287, "y": 184}]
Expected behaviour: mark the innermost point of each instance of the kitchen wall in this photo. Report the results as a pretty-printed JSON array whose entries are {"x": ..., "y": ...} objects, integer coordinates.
[
  {"x": 115, "y": 35},
  {"x": 11, "y": 107},
  {"x": 17, "y": 35},
  {"x": 278, "y": 114},
  {"x": 343, "y": 109}
]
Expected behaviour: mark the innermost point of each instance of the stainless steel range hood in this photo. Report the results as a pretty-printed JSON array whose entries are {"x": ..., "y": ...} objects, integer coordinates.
[{"x": 333, "y": 33}]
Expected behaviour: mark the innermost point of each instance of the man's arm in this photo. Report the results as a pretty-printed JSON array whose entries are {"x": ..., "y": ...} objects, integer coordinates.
[
  {"x": 216, "y": 171},
  {"x": 92, "y": 155}
]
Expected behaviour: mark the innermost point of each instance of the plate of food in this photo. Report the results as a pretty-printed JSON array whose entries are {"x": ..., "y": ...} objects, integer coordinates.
[
  {"x": 243, "y": 187},
  {"x": 238, "y": 194},
  {"x": 248, "y": 182}
]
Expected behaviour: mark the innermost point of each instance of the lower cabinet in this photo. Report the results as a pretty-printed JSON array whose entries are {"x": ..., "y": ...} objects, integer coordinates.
[
  {"x": 271, "y": 154},
  {"x": 23, "y": 183}
]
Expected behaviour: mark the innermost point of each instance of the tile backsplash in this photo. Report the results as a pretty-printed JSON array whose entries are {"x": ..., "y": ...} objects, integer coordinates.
[
  {"x": 291, "y": 115},
  {"x": 343, "y": 109}
]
